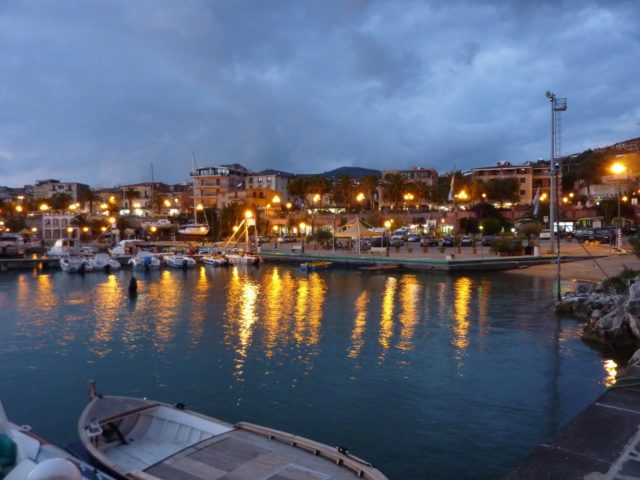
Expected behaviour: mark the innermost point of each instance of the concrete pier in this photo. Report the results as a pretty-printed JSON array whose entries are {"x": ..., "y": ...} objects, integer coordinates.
[{"x": 602, "y": 442}]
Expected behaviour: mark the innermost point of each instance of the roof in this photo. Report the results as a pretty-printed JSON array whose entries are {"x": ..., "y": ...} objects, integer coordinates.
[{"x": 356, "y": 228}]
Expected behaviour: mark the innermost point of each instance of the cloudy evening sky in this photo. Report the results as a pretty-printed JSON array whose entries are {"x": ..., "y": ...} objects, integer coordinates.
[{"x": 96, "y": 91}]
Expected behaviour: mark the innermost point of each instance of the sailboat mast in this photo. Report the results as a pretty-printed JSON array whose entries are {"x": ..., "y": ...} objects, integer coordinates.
[{"x": 193, "y": 175}]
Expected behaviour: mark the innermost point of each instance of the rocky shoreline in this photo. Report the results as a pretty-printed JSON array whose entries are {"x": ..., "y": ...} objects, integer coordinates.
[{"x": 611, "y": 311}]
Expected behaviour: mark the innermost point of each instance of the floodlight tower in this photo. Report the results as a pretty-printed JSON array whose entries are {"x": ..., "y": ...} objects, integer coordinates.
[{"x": 557, "y": 105}]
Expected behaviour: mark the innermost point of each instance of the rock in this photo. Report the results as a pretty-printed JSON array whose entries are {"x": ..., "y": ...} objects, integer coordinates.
[
  {"x": 634, "y": 324},
  {"x": 634, "y": 361}
]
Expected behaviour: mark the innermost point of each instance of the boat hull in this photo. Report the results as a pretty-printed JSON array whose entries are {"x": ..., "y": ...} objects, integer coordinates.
[{"x": 137, "y": 437}]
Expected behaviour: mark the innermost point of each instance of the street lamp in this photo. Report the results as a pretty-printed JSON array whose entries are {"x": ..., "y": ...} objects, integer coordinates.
[{"x": 618, "y": 169}]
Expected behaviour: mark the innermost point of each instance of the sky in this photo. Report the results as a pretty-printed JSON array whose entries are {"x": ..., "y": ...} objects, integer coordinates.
[{"x": 97, "y": 91}]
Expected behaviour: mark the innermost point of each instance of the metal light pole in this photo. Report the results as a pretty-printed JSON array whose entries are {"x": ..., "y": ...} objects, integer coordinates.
[
  {"x": 618, "y": 169},
  {"x": 557, "y": 105}
]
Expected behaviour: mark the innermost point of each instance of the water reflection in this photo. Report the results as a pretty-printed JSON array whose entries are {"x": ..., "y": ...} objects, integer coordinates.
[
  {"x": 611, "y": 369},
  {"x": 241, "y": 316},
  {"x": 461, "y": 298},
  {"x": 386, "y": 319},
  {"x": 410, "y": 289},
  {"x": 359, "y": 325},
  {"x": 108, "y": 299},
  {"x": 199, "y": 306}
]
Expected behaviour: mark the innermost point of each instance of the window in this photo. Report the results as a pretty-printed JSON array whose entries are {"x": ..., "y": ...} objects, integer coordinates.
[
  {"x": 523, "y": 180},
  {"x": 523, "y": 192}
]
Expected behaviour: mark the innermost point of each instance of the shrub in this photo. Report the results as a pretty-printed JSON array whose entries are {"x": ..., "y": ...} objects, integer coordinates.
[{"x": 508, "y": 245}]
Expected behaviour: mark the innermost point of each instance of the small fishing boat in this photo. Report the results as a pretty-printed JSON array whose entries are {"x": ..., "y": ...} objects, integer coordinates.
[
  {"x": 25, "y": 456},
  {"x": 242, "y": 258},
  {"x": 75, "y": 264},
  {"x": 179, "y": 260},
  {"x": 135, "y": 438},
  {"x": 215, "y": 260},
  {"x": 144, "y": 260},
  {"x": 312, "y": 266},
  {"x": 104, "y": 262}
]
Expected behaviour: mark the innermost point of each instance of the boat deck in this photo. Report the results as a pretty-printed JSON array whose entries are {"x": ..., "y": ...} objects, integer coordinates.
[
  {"x": 168, "y": 444},
  {"x": 244, "y": 455}
]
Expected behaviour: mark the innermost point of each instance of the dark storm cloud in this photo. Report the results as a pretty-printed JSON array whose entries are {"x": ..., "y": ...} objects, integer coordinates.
[{"x": 97, "y": 91}]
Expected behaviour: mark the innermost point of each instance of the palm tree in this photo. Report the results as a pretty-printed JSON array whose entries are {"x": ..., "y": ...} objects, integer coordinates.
[
  {"x": 131, "y": 194},
  {"x": 60, "y": 201},
  {"x": 370, "y": 184},
  {"x": 422, "y": 191},
  {"x": 343, "y": 191},
  {"x": 394, "y": 187},
  {"x": 89, "y": 196}
]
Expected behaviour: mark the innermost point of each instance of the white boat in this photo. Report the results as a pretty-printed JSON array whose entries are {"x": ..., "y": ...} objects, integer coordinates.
[
  {"x": 242, "y": 258},
  {"x": 144, "y": 260},
  {"x": 179, "y": 260},
  {"x": 75, "y": 264},
  {"x": 25, "y": 456},
  {"x": 62, "y": 247},
  {"x": 104, "y": 261},
  {"x": 215, "y": 260},
  {"x": 136, "y": 438},
  {"x": 193, "y": 229}
]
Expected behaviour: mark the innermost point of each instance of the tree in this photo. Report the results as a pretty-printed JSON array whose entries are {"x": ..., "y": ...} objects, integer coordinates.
[
  {"x": 503, "y": 189},
  {"x": 369, "y": 185},
  {"x": 342, "y": 191},
  {"x": 89, "y": 196},
  {"x": 394, "y": 188},
  {"x": 297, "y": 188},
  {"x": 423, "y": 191},
  {"x": 60, "y": 201},
  {"x": 131, "y": 194}
]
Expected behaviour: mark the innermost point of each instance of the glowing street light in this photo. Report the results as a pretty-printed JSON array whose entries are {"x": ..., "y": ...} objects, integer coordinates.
[
  {"x": 618, "y": 169},
  {"x": 199, "y": 207},
  {"x": 276, "y": 199},
  {"x": 103, "y": 206},
  {"x": 248, "y": 214},
  {"x": 167, "y": 203},
  {"x": 463, "y": 195},
  {"x": 18, "y": 208},
  {"x": 85, "y": 229},
  {"x": 153, "y": 229},
  {"x": 44, "y": 207},
  {"x": 112, "y": 220},
  {"x": 34, "y": 229}
]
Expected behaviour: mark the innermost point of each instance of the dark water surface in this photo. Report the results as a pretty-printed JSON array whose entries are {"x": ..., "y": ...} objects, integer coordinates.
[{"x": 427, "y": 376}]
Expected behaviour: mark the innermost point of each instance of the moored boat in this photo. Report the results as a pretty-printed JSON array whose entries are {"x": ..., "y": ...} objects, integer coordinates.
[
  {"x": 142, "y": 439},
  {"x": 25, "y": 456},
  {"x": 104, "y": 262},
  {"x": 215, "y": 260},
  {"x": 312, "y": 266},
  {"x": 242, "y": 258},
  {"x": 179, "y": 260},
  {"x": 75, "y": 264},
  {"x": 144, "y": 260}
]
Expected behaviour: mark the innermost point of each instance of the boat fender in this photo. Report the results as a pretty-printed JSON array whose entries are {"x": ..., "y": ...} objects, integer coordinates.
[
  {"x": 8, "y": 452},
  {"x": 133, "y": 285},
  {"x": 180, "y": 406},
  {"x": 107, "y": 268},
  {"x": 55, "y": 469}
]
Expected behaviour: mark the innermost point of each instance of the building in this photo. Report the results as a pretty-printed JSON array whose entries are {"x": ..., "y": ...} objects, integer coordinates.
[
  {"x": 143, "y": 198},
  {"x": 50, "y": 187},
  {"x": 416, "y": 175},
  {"x": 219, "y": 186},
  {"x": 529, "y": 175},
  {"x": 264, "y": 190},
  {"x": 55, "y": 226}
]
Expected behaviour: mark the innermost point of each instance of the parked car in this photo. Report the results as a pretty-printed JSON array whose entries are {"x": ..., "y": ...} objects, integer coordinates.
[
  {"x": 379, "y": 242},
  {"x": 286, "y": 239},
  {"x": 487, "y": 240},
  {"x": 630, "y": 229},
  {"x": 448, "y": 242},
  {"x": 429, "y": 242},
  {"x": 396, "y": 241},
  {"x": 545, "y": 234},
  {"x": 264, "y": 239},
  {"x": 466, "y": 241},
  {"x": 413, "y": 238}
]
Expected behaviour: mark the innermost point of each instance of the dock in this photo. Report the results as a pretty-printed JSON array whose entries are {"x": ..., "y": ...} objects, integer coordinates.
[{"x": 601, "y": 442}]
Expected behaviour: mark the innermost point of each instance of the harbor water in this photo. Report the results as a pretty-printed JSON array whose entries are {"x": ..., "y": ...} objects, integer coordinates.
[{"x": 427, "y": 376}]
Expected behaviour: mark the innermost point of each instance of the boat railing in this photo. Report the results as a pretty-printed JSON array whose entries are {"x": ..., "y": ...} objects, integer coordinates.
[{"x": 358, "y": 466}]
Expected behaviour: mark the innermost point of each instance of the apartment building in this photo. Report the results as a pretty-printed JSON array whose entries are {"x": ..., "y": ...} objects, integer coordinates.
[
  {"x": 529, "y": 175},
  {"x": 263, "y": 189},
  {"x": 218, "y": 186},
  {"x": 50, "y": 187},
  {"x": 428, "y": 176}
]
